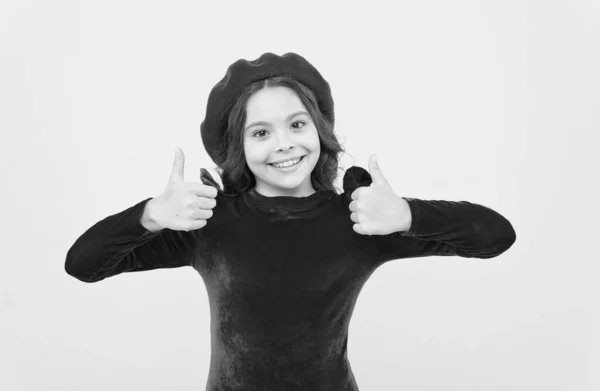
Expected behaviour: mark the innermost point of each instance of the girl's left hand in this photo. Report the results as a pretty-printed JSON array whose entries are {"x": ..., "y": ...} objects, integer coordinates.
[{"x": 376, "y": 209}]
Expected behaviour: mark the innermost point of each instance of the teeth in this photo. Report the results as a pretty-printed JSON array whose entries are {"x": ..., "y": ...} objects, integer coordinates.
[{"x": 287, "y": 164}]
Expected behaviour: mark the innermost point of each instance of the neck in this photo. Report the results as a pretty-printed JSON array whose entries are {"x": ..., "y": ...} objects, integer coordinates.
[{"x": 293, "y": 193}]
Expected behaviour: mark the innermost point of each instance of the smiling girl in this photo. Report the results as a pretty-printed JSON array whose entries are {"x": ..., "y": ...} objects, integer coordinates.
[
  {"x": 283, "y": 256},
  {"x": 283, "y": 151}
]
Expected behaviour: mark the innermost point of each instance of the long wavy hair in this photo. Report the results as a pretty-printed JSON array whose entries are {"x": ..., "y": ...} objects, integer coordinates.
[{"x": 234, "y": 171}]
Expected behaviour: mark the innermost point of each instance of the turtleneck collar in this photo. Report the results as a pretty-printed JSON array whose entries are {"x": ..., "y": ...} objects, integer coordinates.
[{"x": 287, "y": 204}]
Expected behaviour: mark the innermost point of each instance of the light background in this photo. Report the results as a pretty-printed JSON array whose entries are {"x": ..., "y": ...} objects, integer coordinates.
[{"x": 496, "y": 103}]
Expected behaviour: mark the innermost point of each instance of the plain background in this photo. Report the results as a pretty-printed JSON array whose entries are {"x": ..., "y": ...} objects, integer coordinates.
[{"x": 491, "y": 102}]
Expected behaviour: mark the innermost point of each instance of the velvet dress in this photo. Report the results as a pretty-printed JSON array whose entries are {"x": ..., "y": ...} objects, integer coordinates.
[{"x": 283, "y": 274}]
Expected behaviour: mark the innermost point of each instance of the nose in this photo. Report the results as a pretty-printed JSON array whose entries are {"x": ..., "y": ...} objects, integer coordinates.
[{"x": 283, "y": 141}]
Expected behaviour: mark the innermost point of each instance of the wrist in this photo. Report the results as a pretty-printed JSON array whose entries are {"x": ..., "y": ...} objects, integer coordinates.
[
  {"x": 147, "y": 218},
  {"x": 405, "y": 215}
]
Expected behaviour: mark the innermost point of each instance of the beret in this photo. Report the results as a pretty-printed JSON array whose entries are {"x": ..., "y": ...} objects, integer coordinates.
[{"x": 242, "y": 73}]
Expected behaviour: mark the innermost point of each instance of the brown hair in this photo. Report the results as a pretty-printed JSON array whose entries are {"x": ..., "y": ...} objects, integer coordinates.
[{"x": 234, "y": 170}]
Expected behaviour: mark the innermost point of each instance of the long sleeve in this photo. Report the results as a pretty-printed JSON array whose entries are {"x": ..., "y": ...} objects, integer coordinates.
[
  {"x": 448, "y": 228},
  {"x": 120, "y": 243}
]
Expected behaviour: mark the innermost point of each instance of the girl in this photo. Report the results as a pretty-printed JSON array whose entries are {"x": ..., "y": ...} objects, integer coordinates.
[{"x": 283, "y": 256}]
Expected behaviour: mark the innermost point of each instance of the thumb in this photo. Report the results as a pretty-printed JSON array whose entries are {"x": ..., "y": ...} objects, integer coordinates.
[
  {"x": 376, "y": 172},
  {"x": 177, "y": 171}
]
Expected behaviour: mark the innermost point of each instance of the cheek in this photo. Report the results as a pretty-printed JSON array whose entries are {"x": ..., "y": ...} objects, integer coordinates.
[
  {"x": 315, "y": 142},
  {"x": 252, "y": 153},
  {"x": 311, "y": 137}
]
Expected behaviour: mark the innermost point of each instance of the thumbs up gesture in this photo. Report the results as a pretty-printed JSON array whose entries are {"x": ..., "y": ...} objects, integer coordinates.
[
  {"x": 183, "y": 206},
  {"x": 376, "y": 209}
]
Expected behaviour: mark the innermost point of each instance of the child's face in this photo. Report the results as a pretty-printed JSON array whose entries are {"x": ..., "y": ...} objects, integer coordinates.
[{"x": 279, "y": 138}]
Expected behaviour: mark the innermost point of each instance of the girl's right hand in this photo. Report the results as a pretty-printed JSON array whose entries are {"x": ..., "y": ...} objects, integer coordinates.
[{"x": 183, "y": 206}]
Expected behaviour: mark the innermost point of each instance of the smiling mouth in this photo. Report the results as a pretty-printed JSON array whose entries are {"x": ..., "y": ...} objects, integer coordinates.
[{"x": 295, "y": 164}]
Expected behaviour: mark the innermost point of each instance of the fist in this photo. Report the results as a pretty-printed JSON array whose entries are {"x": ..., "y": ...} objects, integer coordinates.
[
  {"x": 184, "y": 206},
  {"x": 376, "y": 209}
]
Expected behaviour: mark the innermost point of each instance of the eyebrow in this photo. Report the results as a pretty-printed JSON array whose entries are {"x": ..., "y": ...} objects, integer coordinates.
[{"x": 287, "y": 119}]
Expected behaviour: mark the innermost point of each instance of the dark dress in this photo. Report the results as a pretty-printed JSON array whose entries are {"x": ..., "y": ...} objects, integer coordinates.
[{"x": 283, "y": 274}]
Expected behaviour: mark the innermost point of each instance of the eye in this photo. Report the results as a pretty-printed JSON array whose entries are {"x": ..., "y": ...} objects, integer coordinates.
[
  {"x": 258, "y": 131},
  {"x": 262, "y": 130},
  {"x": 300, "y": 122}
]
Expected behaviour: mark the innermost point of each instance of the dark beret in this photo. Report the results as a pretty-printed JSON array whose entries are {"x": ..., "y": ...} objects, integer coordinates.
[{"x": 243, "y": 72}]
